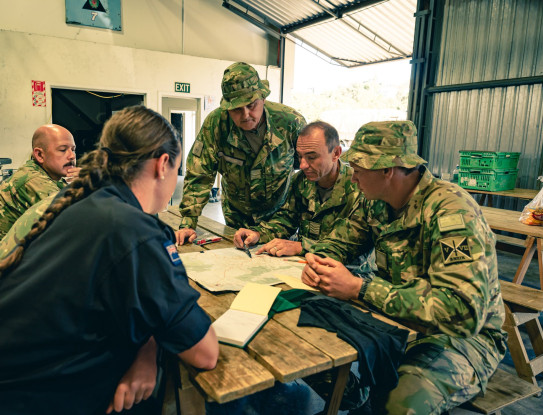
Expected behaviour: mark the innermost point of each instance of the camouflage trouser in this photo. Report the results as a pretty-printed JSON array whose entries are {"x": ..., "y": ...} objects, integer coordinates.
[{"x": 433, "y": 379}]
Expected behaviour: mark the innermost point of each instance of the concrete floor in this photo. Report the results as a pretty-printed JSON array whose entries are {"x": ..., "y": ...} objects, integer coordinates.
[{"x": 309, "y": 403}]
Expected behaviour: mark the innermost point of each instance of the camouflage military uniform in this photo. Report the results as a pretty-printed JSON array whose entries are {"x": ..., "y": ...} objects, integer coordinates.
[
  {"x": 437, "y": 272},
  {"x": 28, "y": 185},
  {"x": 303, "y": 211},
  {"x": 23, "y": 225},
  {"x": 254, "y": 186}
]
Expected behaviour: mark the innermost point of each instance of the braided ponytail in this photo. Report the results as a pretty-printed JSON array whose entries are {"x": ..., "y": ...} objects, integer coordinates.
[{"x": 129, "y": 138}]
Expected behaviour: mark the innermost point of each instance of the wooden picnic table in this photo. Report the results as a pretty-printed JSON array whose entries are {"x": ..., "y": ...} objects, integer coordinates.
[
  {"x": 281, "y": 351},
  {"x": 523, "y": 307},
  {"x": 518, "y": 193},
  {"x": 508, "y": 220}
]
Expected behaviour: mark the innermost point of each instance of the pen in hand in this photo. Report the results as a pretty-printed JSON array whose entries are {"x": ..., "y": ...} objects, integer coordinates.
[
  {"x": 246, "y": 249},
  {"x": 300, "y": 261}
]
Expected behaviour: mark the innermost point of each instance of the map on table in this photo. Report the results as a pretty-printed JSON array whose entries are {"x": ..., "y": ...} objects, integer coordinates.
[{"x": 230, "y": 269}]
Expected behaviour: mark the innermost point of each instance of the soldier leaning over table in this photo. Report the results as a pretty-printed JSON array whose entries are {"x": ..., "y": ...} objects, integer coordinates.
[
  {"x": 251, "y": 143},
  {"x": 437, "y": 271},
  {"x": 321, "y": 192}
]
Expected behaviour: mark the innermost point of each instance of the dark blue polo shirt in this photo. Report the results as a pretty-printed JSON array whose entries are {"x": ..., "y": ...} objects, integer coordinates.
[{"x": 88, "y": 293}]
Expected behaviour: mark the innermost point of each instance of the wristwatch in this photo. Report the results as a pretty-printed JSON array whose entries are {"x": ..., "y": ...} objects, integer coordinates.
[{"x": 366, "y": 279}]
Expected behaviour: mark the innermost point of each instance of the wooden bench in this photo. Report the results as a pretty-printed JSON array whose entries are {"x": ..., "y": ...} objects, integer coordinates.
[
  {"x": 523, "y": 306},
  {"x": 510, "y": 244},
  {"x": 503, "y": 389}
]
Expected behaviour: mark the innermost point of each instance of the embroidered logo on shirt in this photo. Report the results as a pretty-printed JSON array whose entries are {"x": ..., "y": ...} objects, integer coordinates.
[
  {"x": 455, "y": 249},
  {"x": 229, "y": 159},
  {"x": 451, "y": 222},
  {"x": 314, "y": 229},
  {"x": 172, "y": 252}
]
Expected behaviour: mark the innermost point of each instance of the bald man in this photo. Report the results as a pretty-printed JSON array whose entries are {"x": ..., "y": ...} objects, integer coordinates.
[{"x": 51, "y": 166}]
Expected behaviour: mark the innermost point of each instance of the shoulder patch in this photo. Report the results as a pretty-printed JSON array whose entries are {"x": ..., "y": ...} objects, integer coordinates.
[
  {"x": 172, "y": 252},
  {"x": 451, "y": 222},
  {"x": 197, "y": 148},
  {"x": 455, "y": 249}
]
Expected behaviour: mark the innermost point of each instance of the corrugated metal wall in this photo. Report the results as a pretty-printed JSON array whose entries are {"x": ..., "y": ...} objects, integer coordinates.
[{"x": 485, "y": 41}]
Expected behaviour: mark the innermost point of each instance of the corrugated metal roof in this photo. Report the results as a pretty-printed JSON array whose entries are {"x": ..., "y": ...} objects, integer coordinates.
[{"x": 351, "y": 33}]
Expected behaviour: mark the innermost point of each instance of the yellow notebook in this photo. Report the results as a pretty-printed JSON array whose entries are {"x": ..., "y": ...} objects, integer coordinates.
[
  {"x": 246, "y": 315},
  {"x": 295, "y": 282}
]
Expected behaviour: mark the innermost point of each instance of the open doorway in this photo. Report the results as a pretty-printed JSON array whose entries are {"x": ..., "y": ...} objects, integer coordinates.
[
  {"x": 347, "y": 98},
  {"x": 185, "y": 124},
  {"x": 84, "y": 112},
  {"x": 184, "y": 114}
]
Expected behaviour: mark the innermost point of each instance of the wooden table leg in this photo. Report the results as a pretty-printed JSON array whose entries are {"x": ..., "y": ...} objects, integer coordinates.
[
  {"x": 533, "y": 327},
  {"x": 188, "y": 399},
  {"x": 516, "y": 346},
  {"x": 540, "y": 261},
  {"x": 340, "y": 377},
  {"x": 489, "y": 203},
  {"x": 526, "y": 258}
]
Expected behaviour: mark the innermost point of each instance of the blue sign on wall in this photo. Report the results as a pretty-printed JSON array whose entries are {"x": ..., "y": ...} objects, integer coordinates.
[{"x": 105, "y": 14}]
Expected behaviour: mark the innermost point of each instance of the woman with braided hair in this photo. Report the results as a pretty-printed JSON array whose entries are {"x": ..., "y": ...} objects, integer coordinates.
[{"x": 99, "y": 276}]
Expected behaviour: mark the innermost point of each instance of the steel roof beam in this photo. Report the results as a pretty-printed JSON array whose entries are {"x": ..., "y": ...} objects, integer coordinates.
[
  {"x": 305, "y": 42},
  {"x": 328, "y": 14},
  {"x": 390, "y": 46},
  {"x": 340, "y": 13},
  {"x": 272, "y": 29}
]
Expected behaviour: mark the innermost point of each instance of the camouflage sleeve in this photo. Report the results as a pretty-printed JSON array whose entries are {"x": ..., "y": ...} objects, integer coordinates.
[
  {"x": 34, "y": 190},
  {"x": 452, "y": 295},
  {"x": 285, "y": 222},
  {"x": 298, "y": 125},
  {"x": 350, "y": 237},
  {"x": 23, "y": 225},
  {"x": 200, "y": 175},
  {"x": 308, "y": 245}
]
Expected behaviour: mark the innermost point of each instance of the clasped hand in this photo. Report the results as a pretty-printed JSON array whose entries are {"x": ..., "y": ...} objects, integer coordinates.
[{"x": 331, "y": 277}]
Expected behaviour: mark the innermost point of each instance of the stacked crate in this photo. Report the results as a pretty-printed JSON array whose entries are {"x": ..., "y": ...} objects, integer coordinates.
[{"x": 488, "y": 170}]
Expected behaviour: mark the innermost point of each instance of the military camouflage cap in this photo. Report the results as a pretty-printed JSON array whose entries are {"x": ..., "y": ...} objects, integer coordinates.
[
  {"x": 378, "y": 145},
  {"x": 241, "y": 85}
]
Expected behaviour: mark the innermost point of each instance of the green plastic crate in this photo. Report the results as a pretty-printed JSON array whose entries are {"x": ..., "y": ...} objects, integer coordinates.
[
  {"x": 487, "y": 179},
  {"x": 489, "y": 159}
]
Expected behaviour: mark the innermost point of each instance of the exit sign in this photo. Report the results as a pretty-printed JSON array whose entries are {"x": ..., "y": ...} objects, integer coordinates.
[{"x": 182, "y": 87}]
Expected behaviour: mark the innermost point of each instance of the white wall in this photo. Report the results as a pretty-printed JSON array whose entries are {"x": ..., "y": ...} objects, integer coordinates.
[
  {"x": 35, "y": 47},
  {"x": 213, "y": 31},
  {"x": 210, "y": 30}
]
